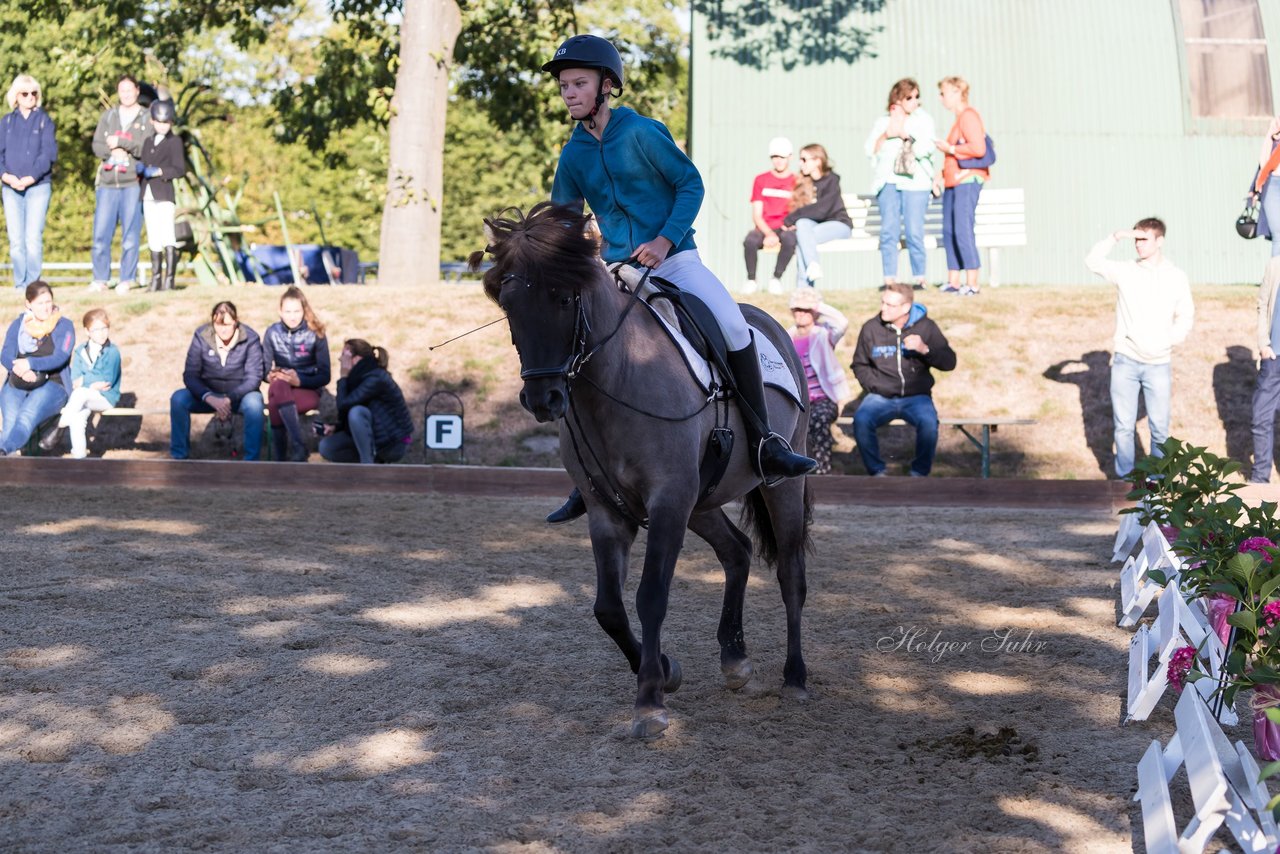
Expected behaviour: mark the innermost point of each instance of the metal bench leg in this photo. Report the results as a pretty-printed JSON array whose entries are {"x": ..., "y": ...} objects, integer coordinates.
[{"x": 983, "y": 445}]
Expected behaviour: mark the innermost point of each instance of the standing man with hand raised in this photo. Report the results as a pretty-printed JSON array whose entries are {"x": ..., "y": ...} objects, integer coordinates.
[{"x": 1154, "y": 312}]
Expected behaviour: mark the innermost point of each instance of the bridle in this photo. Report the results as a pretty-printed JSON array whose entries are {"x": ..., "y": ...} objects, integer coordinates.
[{"x": 579, "y": 355}]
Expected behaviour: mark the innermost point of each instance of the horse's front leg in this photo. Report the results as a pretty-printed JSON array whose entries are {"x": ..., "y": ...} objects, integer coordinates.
[
  {"x": 733, "y": 548},
  {"x": 611, "y": 539},
  {"x": 658, "y": 673}
]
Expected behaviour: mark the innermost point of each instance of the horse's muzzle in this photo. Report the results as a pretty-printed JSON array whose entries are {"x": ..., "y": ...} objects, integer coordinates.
[{"x": 545, "y": 399}]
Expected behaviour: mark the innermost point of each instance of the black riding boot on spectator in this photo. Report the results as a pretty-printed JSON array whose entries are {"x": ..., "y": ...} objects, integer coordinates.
[
  {"x": 170, "y": 267},
  {"x": 157, "y": 270},
  {"x": 279, "y": 444},
  {"x": 773, "y": 458}
]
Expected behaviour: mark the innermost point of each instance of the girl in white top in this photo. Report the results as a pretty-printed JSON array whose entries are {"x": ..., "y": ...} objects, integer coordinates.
[{"x": 901, "y": 151}]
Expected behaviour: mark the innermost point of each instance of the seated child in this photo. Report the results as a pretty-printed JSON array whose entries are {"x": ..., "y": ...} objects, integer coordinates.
[{"x": 95, "y": 382}]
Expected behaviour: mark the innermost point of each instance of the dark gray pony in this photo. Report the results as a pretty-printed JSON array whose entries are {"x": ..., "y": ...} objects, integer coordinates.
[{"x": 634, "y": 428}]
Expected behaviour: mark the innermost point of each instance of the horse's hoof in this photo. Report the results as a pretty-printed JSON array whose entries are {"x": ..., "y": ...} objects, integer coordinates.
[
  {"x": 675, "y": 676},
  {"x": 649, "y": 724},
  {"x": 738, "y": 674},
  {"x": 795, "y": 692}
]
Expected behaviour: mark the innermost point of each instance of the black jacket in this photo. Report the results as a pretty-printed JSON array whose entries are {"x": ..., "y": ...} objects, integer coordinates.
[
  {"x": 827, "y": 207},
  {"x": 170, "y": 156},
  {"x": 300, "y": 349},
  {"x": 370, "y": 385},
  {"x": 883, "y": 367},
  {"x": 205, "y": 373}
]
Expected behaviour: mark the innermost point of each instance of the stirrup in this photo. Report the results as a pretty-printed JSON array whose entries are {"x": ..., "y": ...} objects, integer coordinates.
[{"x": 804, "y": 465}]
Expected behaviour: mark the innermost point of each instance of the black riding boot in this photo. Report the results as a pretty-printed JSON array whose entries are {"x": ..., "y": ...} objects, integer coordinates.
[
  {"x": 170, "y": 267},
  {"x": 775, "y": 458},
  {"x": 157, "y": 270},
  {"x": 570, "y": 510}
]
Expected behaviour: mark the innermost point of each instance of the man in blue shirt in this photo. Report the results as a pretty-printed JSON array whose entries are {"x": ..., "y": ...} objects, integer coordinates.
[{"x": 645, "y": 193}]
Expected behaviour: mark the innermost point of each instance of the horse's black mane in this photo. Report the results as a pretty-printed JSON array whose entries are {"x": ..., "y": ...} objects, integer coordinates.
[{"x": 549, "y": 247}]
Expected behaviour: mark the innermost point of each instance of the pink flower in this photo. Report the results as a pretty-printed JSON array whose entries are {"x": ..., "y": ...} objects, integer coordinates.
[
  {"x": 1170, "y": 533},
  {"x": 1180, "y": 665},
  {"x": 1270, "y": 614},
  {"x": 1258, "y": 545}
]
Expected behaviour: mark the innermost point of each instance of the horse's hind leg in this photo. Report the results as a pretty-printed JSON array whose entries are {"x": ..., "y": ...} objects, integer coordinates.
[
  {"x": 789, "y": 512},
  {"x": 611, "y": 540},
  {"x": 733, "y": 548}
]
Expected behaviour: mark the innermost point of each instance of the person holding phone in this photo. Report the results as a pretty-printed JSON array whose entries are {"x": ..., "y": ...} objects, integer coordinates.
[{"x": 901, "y": 149}]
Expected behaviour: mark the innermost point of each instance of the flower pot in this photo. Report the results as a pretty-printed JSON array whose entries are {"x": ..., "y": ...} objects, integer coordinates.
[
  {"x": 1266, "y": 735},
  {"x": 1221, "y": 606}
]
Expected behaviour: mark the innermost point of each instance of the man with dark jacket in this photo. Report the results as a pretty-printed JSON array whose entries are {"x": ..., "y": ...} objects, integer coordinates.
[{"x": 896, "y": 350}]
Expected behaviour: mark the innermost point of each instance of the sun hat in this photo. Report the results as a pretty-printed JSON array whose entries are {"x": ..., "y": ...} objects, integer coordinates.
[{"x": 805, "y": 299}]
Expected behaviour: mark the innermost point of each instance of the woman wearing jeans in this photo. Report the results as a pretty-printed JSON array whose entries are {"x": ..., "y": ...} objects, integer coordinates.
[
  {"x": 823, "y": 218},
  {"x": 37, "y": 355},
  {"x": 1266, "y": 186},
  {"x": 27, "y": 154},
  {"x": 902, "y": 139},
  {"x": 967, "y": 140}
]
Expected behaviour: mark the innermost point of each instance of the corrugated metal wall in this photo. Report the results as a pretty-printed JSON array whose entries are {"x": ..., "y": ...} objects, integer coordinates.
[{"x": 1085, "y": 101}]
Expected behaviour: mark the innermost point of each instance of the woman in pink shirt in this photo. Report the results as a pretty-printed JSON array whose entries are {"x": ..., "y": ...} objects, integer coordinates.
[
  {"x": 967, "y": 140},
  {"x": 817, "y": 328}
]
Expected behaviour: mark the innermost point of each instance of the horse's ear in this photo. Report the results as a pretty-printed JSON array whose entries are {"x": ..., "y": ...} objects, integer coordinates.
[
  {"x": 590, "y": 230},
  {"x": 489, "y": 237}
]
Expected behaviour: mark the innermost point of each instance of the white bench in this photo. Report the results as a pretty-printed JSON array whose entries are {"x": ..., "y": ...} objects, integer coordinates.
[{"x": 1000, "y": 221}]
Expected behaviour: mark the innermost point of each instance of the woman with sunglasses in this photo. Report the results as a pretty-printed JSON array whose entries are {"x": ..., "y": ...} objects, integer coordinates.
[
  {"x": 820, "y": 215},
  {"x": 27, "y": 154},
  {"x": 901, "y": 150}
]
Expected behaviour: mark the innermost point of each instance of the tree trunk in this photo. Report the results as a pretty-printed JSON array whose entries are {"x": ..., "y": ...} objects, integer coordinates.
[{"x": 409, "y": 251}]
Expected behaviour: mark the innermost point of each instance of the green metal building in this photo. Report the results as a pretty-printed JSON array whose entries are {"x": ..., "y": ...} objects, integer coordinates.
[{"x": 1103, "y": 111}]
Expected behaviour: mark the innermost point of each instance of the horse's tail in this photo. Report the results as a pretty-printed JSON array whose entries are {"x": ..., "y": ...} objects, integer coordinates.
[{"x": 755, "y": 515}]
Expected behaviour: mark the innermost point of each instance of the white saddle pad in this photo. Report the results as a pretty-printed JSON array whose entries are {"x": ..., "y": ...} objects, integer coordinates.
[{"x": 773, "y": 367}]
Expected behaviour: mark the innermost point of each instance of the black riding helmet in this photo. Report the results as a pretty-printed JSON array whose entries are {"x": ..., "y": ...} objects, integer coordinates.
[
  {"x": 163, "y": 111},
  {"x": 587, "y": 52}
]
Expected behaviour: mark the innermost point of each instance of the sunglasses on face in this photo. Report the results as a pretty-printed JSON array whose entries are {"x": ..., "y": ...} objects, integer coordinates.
[{"x": 27, "y": 94}]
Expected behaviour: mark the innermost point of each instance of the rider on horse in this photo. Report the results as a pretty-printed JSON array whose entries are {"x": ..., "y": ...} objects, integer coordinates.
[{"x": 645, "y": 194}]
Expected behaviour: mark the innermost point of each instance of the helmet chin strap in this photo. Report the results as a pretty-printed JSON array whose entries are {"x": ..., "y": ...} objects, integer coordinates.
[{"x": 591, "y": 116}]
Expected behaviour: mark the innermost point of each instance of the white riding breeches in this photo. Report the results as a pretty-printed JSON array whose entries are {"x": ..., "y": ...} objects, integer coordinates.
[
  {"x": 159, "y": 219},
  {"x": 686, "y": 271}
]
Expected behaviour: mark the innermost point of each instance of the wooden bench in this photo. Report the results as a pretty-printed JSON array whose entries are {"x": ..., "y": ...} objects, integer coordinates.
[
  {"x": 1000, "y": 221},
  {"x": 988, "y": 424}
]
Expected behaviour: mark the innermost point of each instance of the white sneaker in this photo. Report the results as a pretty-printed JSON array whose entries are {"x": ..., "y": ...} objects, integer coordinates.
[
  {"x": 775, "y": 286},
  {"x": 95, "y": 287},
  {"x": 122, "y": 288},
  {"x": 813, "y": 272},
  {"x": 749, "y": 286}
]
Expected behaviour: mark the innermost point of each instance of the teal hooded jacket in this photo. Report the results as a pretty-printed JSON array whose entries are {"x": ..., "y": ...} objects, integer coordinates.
[{"x": 639, "y": 184}]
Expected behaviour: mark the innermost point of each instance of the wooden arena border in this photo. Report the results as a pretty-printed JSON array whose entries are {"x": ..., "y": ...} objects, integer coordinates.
[{"x": 957, "y": 493}]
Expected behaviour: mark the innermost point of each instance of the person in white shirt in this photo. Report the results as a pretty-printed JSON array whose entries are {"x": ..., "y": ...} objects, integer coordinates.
[{"x": 1154, "y": 312}]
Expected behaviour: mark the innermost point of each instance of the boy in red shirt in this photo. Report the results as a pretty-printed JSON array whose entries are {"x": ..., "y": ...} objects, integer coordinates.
[{"x": 770, "y": 202}]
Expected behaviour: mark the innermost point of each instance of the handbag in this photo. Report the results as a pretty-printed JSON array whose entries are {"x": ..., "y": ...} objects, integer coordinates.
[
  {"x": 983, "y": 162},
  {"x": 44, "y": 347},
  {"x": 905, "y": 162},
  {"x": 1247, "y": 222}
]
